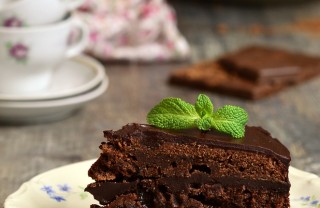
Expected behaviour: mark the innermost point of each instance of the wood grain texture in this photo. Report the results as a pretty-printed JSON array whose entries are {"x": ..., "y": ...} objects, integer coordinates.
[{"x": 293, "y": 116}]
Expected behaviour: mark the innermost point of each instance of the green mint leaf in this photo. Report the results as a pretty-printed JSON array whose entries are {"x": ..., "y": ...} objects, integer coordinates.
[
  {"x": 231, "y": 120},
  {"x": 204, "y": 106},
  {"x": 204, "y": 124},
  {"x": 173, "y": 113}
]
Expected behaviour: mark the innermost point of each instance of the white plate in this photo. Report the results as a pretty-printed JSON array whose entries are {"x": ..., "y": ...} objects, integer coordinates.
[
  {"x": 63, "y": 188},
  {"x": 47, "y": 110},
  {"x": 73, "y": 77}
]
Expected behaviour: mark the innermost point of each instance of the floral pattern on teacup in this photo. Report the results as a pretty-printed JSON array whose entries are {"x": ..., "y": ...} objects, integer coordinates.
[
  {"x": 12, "y": 22},
  {"x": 61, "y": 192},
  {"x": 18, "y": 51}
]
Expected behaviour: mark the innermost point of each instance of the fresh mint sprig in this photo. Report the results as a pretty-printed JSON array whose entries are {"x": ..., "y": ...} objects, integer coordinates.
[{"x": 174, "y": 113}]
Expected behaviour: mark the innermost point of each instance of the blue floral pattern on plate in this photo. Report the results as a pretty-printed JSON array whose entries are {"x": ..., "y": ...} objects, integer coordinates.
[
  {"x": 309, "y": 201},
  {"x": 61, "y": 192}
]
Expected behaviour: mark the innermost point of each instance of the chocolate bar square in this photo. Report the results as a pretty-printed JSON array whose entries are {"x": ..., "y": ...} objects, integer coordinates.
[
  {"x": 264, "y": 65},
  {"x": 211, "y": 76}
]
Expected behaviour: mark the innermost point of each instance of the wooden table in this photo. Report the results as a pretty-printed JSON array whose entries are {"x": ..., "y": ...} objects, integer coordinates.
[{"x": 293, "y": 116}]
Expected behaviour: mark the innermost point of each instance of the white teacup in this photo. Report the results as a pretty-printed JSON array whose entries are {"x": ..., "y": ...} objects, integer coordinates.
[
  {"x": 28, "y": 56},
  {"x": 25, "y": 13}
]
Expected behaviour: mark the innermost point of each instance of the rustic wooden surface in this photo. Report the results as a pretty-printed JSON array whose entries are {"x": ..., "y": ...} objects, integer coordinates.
[{"x": 293, "y": 116}]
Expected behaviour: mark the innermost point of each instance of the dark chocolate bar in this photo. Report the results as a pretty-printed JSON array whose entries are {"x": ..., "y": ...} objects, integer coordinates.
[
  {"x": 262, "y": 64},
  {"x": 211, "y": 76}
]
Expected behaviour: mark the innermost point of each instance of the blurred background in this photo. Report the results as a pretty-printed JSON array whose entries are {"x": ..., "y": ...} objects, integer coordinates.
[{"x": 139, "y": 54}]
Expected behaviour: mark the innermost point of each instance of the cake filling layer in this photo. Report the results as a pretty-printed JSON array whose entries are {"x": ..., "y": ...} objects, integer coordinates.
[{"x": 106, "y": 191}]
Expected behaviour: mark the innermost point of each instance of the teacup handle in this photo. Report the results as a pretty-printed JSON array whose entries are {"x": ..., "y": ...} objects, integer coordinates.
[
  {"x": 72, "y": 4},
  {"x": 77, "y": 48}
]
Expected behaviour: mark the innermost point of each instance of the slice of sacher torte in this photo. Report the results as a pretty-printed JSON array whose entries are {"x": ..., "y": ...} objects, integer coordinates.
[{"x": 143, "y": 166}]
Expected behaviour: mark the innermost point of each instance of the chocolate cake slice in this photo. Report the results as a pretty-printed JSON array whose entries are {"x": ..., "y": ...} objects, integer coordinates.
[{"x": 142, "y": 166}]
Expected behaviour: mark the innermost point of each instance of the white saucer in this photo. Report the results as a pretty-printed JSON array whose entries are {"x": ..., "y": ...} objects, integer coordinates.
[
  {"x": 47, "y": 110},
  {"x": 73, "y": 77}
]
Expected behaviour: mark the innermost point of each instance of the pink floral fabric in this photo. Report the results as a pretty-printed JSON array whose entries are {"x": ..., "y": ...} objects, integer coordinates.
[{"x": 140, "y": 30}]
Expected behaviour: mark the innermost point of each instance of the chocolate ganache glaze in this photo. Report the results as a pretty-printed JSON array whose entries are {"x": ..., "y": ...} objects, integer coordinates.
[
  {"x": 106, "y": 191},
  {"x": 256, "y": 139}
]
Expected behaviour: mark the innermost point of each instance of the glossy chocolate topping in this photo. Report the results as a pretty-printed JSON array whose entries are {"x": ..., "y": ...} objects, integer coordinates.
[
  {"x": 106, "y": 191},
  {"x": 256, "y": 139}
]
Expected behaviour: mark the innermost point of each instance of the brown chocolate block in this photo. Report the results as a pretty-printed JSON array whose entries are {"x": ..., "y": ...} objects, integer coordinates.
[
  {"x": 142, "y": 166},
  {"x": 211, "y": 76},
  {"x": 263, "y": 64}
]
